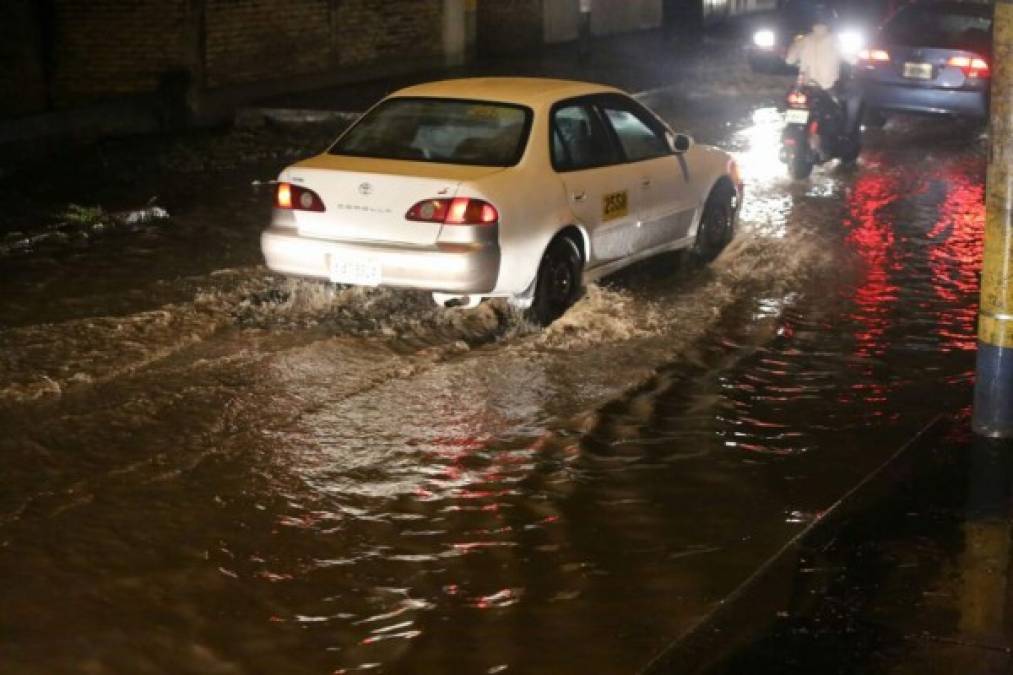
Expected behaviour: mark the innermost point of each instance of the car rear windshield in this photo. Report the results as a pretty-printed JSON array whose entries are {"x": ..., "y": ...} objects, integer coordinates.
[
  {"x": 944, "y": 27},
  {"x": 450, "y": 131}
]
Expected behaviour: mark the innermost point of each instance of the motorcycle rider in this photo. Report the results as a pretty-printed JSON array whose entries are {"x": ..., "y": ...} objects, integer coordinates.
[{"x": 820, "y": 64}]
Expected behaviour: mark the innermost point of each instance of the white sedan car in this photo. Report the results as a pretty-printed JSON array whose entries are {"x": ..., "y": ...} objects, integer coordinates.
[{"x": 523, "y": 188}]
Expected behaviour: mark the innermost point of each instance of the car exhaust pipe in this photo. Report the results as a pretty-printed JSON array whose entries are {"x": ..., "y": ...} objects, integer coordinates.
[{"x": 450, "y": 301}]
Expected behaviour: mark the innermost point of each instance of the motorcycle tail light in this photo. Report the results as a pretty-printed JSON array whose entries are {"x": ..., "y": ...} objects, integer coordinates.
[
  {"x": 289, "y": 196},
  {"x": 973, "y": 67},
  {"x": 797, "y": 99},
  {"x": 456, "y": 211}
]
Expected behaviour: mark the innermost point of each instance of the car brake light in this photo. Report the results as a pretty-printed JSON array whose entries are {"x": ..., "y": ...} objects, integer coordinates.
[
  {"x": 290, "y": 196},
  {"x": 874, "y": 56},
  {"x": 456, "y": 211},
  {"x": 973, "y": 67}
]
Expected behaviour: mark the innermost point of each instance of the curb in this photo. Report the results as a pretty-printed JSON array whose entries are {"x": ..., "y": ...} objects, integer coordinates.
[
  {"x": 754, "y": 605},
  {"x": 257, "y": 117},
  {"x": 252, "y": 117}
]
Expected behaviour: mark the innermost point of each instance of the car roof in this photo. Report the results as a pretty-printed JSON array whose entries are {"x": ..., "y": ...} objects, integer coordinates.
[{"x": 527, "y": 91}]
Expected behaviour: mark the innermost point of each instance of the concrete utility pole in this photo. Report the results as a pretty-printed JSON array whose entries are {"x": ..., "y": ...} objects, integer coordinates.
[{"x": 993, "y": 391}]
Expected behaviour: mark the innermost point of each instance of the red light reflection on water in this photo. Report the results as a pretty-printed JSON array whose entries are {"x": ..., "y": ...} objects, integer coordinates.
[
  {"x": 955, "y": 259},
  {"x": 938, "y": 268},
  {"x": 872, "y": 238}
]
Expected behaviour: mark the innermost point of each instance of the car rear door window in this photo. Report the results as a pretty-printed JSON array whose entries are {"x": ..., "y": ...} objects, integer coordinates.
[
  {"x": 450, "y": 131},
  {"x": 579, "y": 139},
  {"x": 640, "y": 135}
]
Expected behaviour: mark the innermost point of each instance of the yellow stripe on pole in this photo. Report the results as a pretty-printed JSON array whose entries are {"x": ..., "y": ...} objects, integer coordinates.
[
  {"x": 995, "y": 325},
  {"x": 995, "y": 331}
]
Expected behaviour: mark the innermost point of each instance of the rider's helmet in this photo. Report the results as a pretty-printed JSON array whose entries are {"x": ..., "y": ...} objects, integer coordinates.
[{"x": 822, "y": 14}]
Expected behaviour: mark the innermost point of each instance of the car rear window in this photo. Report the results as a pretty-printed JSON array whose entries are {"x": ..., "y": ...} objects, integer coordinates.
[
  {"x": 449, "y": 131},
  {"x": 942, "y": 27}
]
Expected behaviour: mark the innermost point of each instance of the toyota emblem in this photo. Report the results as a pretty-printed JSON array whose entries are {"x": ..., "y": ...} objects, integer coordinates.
[{"x": 365, "y": 189}]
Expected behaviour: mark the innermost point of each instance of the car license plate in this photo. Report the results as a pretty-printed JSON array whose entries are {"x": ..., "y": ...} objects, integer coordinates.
[
  {"x": 796, "y": 116},
  {"x": 357, "y": 271},
  {"x": 918, "y": 71}
]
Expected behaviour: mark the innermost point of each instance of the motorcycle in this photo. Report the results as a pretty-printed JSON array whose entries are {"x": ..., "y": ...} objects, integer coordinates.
[{"x": 815, "y": 131}]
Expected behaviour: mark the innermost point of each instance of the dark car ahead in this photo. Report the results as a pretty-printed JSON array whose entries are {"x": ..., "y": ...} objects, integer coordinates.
[{"x": 930, "y": 57}]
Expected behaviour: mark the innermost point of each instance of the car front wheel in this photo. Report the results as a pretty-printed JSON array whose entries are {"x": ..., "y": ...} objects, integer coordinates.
[
  {"x": 558, "y": 283},
  {"x": 717, "y": 224}
]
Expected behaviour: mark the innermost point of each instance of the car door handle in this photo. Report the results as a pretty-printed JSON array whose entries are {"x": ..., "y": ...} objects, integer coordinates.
[{"x": 579, "y": 196}]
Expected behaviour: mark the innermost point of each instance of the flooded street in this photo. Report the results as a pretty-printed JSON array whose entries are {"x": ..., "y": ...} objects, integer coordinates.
[{"x": 210, "y": 469}]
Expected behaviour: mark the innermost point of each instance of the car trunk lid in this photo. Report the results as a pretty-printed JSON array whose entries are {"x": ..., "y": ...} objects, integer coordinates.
[
  {"x": 924, "y": 67},
  {"x": 367, "y": 199}
]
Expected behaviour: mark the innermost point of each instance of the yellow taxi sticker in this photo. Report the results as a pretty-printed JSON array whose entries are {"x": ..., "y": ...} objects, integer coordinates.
[
  {"x": 614, "y": 205},
  {"x": 483, "y": 112}
]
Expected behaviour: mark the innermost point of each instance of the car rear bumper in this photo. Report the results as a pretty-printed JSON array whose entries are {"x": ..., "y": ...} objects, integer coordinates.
[
  {"x": 465, "y": 268},
  {"x": 962, "y": 102}
]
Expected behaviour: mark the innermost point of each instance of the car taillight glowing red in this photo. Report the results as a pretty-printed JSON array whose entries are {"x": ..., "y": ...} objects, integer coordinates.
[
  {"x": 283, "y": 197},
  {"x": 456, "y": 211},
  {"x": 973, "y": 67},
  {"x": 873, "y": 56},
  {"x": 297, "y": 198}
]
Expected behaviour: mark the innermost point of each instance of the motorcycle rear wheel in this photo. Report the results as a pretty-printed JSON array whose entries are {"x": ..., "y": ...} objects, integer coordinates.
[{"x": 799, "y": 166}]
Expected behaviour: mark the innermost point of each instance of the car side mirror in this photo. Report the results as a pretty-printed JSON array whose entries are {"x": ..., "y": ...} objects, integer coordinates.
[{"x": 680, "y": 142}]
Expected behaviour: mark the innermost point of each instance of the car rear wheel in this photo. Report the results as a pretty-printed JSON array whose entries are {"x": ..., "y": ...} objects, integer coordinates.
[
  {"x": 558, "y": 283},
  {"x": 717, "y": 224}
]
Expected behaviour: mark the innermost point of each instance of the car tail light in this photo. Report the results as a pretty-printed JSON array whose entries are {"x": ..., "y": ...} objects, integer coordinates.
[
  {"x": 456, "y": 211},
  {"x": 797, "y": 99},
  {"x": 290, "y": 196},
  {"x": 871, "y": 57},
  {"x": 972, "y": 66}
]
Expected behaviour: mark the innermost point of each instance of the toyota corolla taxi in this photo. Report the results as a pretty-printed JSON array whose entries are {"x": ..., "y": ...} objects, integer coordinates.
[{"x": 523, "y": 188}]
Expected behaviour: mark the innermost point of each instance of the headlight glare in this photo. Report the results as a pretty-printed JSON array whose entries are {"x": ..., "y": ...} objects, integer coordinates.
[
  {"x": 764, "y": 38},
  {"x": 851, "y": 42}
]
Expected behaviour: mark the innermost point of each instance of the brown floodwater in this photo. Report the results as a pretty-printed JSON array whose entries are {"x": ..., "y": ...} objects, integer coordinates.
[{"x": 208, "y": 469}]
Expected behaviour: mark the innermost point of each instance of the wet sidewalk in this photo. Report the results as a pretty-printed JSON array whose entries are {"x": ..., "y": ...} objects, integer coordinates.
[
  {"x": 638, "y": 63},
  {"x": 907, "y": 574}
]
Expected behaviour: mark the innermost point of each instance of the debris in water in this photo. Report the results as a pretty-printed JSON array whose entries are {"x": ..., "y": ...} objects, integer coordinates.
[{"x": 145, "y": 215}]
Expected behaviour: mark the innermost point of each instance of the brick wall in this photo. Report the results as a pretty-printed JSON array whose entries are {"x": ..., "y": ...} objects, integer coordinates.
[
  {"x": 395, "y": 29},
  {"x": 250, "y": 40},
  {"x": 509, "y": 26},
  {"x": 255, "y": 40},
  {"x": 108, "y": 47},
  {"x": 22, "y": 78},
  {"x": 78, "y": 51}
]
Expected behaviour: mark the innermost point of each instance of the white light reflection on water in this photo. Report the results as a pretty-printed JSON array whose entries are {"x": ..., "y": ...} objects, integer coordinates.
[
  {"x": 770, "y": 194},
  {"x": 760, "y": 160},
  {"x": 759, "y": 146}
]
